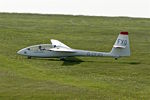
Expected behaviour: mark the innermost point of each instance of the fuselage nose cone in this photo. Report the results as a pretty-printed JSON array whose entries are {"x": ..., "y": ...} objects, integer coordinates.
[{"x": 21, "y": 52}]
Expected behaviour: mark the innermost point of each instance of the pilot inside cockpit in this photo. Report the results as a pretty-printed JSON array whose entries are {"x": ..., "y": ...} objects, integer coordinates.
[{"x": 40, "y": 47}]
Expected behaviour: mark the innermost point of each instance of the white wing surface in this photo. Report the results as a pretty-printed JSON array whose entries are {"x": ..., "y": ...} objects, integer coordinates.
[
  {"x": 58, "y": 49},
  {"x": 58, "y": 43}
]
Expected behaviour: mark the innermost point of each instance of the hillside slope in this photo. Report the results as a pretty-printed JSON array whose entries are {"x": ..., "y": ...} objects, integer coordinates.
[{"x": 82, "y": 79}]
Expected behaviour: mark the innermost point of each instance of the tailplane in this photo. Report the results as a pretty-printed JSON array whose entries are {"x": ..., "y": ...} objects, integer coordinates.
[{"x": 121, "y": 46}]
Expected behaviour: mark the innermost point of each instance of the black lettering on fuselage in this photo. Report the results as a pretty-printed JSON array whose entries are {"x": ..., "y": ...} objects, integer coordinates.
[{"x": 94, "y": 54}]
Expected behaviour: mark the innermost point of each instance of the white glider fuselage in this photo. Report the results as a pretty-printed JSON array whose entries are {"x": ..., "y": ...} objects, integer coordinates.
[
  {"x": 56, "y": 54},
  {"x": 60, "y": 50}
]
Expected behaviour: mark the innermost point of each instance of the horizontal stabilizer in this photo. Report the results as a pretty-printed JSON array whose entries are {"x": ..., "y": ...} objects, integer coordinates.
[{"x": 119, "y": 46}]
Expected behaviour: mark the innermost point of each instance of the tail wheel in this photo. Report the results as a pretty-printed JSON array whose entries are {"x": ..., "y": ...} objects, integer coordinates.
[{"x": 116, "y": 58}]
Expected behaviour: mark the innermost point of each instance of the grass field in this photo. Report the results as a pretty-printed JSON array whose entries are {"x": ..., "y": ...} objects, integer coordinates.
[{"x": 83, "y": 79}]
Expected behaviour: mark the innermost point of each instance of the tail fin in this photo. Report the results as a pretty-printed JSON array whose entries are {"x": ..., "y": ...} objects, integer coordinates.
[{"x": 121, "y": 46}]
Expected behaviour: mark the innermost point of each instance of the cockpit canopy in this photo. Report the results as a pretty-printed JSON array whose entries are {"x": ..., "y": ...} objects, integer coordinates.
[{"x": 40, "y": 47}]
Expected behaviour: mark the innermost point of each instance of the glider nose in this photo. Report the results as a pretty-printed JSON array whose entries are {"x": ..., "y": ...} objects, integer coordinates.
[{"x": 21, "y": 52}]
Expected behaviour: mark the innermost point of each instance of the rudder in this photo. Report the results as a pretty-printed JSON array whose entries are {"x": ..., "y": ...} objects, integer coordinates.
[{"x": 121, "y": 46}]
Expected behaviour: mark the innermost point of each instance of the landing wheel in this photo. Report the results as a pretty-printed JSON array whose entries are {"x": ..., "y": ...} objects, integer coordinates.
[
  {"x": 62, "y": 58},
  {"x": 29, "y": 57}
]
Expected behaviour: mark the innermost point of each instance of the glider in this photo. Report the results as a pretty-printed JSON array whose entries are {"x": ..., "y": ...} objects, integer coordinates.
[{"x": 58, "y": 49}]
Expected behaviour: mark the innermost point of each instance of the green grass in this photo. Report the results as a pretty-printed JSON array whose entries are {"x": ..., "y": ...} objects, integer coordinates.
[{"x": 84, "y": 79}]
